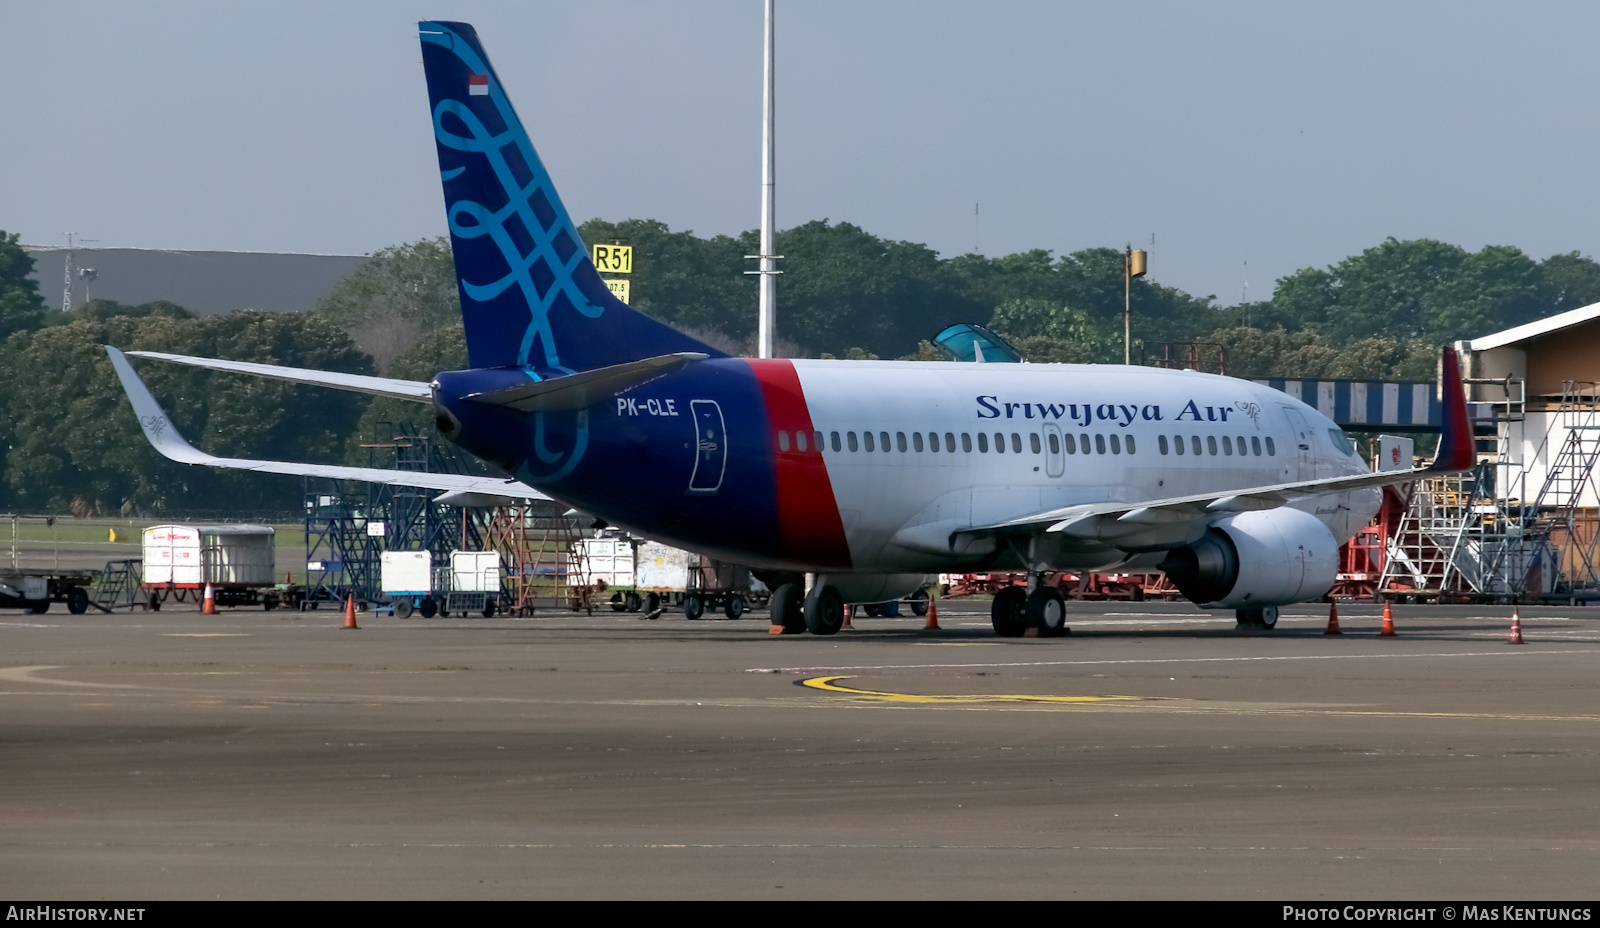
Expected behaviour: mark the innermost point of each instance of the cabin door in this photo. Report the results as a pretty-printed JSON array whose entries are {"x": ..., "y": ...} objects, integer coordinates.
[{"x": 710, "y": 447}]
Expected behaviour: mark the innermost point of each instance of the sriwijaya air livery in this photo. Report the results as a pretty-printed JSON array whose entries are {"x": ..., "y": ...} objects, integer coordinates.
[{"x": 839, "y": 481}]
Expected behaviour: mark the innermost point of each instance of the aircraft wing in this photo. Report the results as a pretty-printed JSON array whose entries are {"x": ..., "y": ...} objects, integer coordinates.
[
  {"x": 164, "y": 437},
  {"x": 1111, "y": 521},
  {"x": 359, "y": 383}
]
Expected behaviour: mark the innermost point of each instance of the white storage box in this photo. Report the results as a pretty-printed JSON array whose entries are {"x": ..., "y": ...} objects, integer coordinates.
[{"x": 406, "y": 573}]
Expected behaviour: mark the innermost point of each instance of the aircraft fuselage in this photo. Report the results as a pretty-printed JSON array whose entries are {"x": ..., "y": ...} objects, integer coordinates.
[{"x": 871, "y": 466}]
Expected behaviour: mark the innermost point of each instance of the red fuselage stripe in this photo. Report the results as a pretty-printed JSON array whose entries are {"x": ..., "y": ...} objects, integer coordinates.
[{"x": 809, "y": 528}]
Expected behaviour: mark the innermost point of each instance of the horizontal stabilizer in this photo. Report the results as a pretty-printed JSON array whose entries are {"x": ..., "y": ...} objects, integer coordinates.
[
  {"x": 359, "y": 383},
  {"x": 579, "y": 391},
  {"x": 164, "y": 437}
]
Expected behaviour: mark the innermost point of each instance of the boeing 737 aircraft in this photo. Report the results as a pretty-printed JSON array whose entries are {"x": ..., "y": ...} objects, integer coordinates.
[{"x": 841, "y": 481}]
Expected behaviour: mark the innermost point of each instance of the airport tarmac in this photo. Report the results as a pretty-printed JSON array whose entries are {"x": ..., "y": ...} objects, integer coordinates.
[{"x": 1154, "y": 753}]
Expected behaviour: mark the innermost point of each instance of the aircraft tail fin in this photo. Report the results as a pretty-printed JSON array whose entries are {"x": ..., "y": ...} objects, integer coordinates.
[{"x": 530, "y": 295}]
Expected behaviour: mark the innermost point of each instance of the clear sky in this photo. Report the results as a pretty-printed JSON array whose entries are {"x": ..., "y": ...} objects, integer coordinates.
[{"x": 1284, "y": 135}]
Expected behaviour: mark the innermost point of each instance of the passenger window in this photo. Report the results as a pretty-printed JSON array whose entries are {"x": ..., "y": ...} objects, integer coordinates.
[
  {"x": 866, "y": 439},
  {"x": 1195, "y": 439},
  {"x": 1130, "y": 444},
  {"x": 1016, "y": 442},
  {"x": 966, "y": 442},
  {"x": 1177, "y": 440},
  {"x": 1243, "y": 448},
  {"x": 900, "y": 440},
  {"x": 1072, "y": 445},
  {"x": 1055, "y": 444},
  {"x": 1099, "y": 444},
  {"x": 1211, "y": 444},
  {"x": 1272, "y": 450},
  {"x": 1116, "y": 445},
  {"x": 950, "y": 442},
  {"x": 852, "y": 437},
  {"x": 783, "y": 441},
  {"x": 999, "y": 443},
  {"x": 1085, "y": 439},
  {"x": 916, "y": 441},
  {"x": 799, "y": 441},
  {"x": 1033, "y": 442},
  {"x": 1227, "y": 446},
  {"x": 1255, "y": 445},
  {"x": 1161, "y": 443},
  {"x": 983, "y": 442},
  {"x": 885, "y": 437},
  {"x": 835, "y": 440}
]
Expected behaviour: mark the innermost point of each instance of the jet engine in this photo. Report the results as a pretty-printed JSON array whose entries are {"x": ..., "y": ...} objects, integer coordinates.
[{"x": 1257, "y": 559}]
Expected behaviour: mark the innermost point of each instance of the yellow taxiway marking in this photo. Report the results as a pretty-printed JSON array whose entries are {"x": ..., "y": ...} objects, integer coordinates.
[
  {"x": 827, "y": 685},
  {"x": 1170, "y": 704},
  {"x": 206, "y": 635}
]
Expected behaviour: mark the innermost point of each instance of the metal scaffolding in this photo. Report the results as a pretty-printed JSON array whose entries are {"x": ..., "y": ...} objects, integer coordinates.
[
  {"x": 348, "y": 526},
  {"x": 539, "y": 546},
  {"x": 1481, "y": 537}
]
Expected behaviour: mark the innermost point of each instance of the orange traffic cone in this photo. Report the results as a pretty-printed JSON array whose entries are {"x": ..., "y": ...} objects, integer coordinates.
[
  {"x": 350, "y": 613},
  {"x": 849, "y": 610},
  {"x": 209, "y": 607},
  {"x": 1516, "y": 627},
  {"x": 1388, "y": 622},
  {"x": 932, "y": 625},
  {"x": 1333, "y": 620}
]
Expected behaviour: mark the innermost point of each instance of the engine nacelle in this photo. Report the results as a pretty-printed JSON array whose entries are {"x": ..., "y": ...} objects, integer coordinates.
[{"x": 1256, "y": 559}]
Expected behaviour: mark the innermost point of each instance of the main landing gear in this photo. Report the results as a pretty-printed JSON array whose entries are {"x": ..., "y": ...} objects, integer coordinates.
[
  {"x": 821, "y": 613},
  {"x": 1264, "y": 618},
  {"x": 1015, "y": 610},
  {"x": 787, "y": 606}
]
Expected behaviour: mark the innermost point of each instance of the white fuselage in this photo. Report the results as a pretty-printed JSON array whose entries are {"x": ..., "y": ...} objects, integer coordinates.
[{"x": 1070, "y": 434}]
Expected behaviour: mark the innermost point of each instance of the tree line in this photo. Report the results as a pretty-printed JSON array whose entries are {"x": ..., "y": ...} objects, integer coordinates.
[{"x": 69, "y": 439}]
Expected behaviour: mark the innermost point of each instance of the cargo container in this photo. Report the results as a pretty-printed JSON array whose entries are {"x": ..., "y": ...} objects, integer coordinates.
[
  {"x": 235, "y": 560},
  {"x": 408, "y": 582},
  {"x": 474, "y": 583}
]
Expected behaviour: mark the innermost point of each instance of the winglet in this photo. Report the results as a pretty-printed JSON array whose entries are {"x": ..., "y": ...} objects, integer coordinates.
[
  {"x": 1456, "y": 447},
  {"x": 163, "y": 435}
]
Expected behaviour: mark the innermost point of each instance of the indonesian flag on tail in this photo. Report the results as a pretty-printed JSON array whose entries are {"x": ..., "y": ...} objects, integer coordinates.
[{"x": 478, "y": 85}]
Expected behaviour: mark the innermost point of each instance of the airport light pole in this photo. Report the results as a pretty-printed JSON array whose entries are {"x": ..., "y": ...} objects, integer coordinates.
[
  {"x": 1134, "y": 264},
  {"x": 767, "y": 307}
]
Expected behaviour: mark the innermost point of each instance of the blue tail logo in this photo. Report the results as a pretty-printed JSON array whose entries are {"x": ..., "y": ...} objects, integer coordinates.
[{"x": 530, "y": 296}]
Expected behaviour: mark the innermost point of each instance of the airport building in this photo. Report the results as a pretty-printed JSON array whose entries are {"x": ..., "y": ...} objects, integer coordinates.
[
  {"x": 207, "y": 283},
  {"x": 1523, "y": 525}
]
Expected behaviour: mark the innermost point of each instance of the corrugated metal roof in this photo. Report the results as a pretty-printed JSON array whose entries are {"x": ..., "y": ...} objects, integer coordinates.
[{"x": 1534, "y": 330}]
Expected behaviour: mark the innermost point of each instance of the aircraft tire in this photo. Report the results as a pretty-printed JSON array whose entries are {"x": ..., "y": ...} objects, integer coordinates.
[
  {"x": 785, "y": 606},
  {"x": 825, "y": 612},
  {"x": 1265, "y": 617},
  {"x": 919, "y": 603},
  {"x": 1047, "y": 611},
  {"x": 1009, "y": 612}
]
